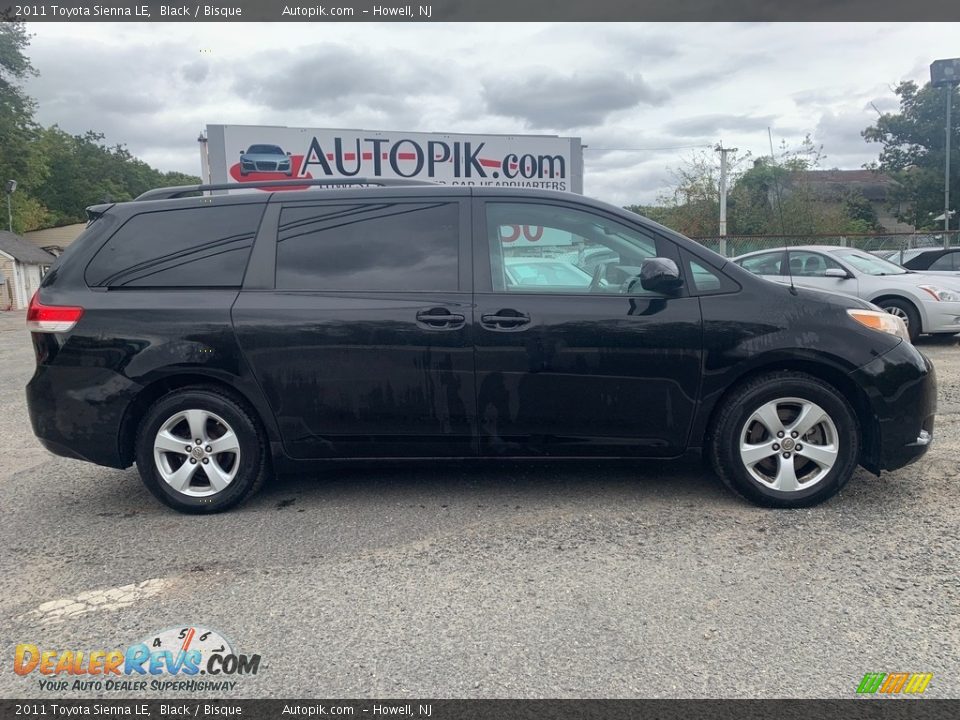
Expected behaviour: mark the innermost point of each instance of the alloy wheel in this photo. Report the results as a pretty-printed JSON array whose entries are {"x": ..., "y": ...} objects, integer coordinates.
[
  {"x": 196, "y": 453},
  {"x": 789, "y": 444}
]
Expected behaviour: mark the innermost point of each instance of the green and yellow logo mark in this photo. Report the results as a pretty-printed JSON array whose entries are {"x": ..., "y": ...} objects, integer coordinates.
[{"x": 892, "y": 683}]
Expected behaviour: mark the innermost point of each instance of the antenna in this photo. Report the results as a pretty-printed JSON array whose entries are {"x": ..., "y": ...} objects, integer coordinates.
[{"x": 783, "y": 232}]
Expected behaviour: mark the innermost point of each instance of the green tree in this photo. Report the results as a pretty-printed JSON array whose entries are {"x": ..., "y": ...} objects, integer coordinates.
[
  {"x": 773, "y": 198},
  {"x": 914, "y": 151},
  {"x": 692, "y": 205},
  {"x": 87, "y": 172},
  {"x": 20, "y": 158}
]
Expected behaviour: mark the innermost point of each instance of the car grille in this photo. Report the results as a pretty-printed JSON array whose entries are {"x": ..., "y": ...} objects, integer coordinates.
[{"x": 266, "y": 166}]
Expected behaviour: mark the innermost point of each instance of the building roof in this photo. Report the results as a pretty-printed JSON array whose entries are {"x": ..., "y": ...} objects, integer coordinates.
[
  {"x": 60, "y": 236},
  {"x": 831, "y": 184},
  {"x": 23, "y": 250}
]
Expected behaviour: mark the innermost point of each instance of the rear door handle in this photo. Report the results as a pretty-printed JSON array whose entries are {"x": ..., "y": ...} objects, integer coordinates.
[
  {"x": 505, "y": 320},
  {"x": 440, "y": 318}
]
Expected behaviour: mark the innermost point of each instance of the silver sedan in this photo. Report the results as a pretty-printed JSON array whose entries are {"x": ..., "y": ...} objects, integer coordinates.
[{"x": 926, "y": 303}]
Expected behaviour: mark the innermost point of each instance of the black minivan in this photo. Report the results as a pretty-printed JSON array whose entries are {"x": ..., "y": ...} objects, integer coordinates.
[{"x": 216, "y": 340}]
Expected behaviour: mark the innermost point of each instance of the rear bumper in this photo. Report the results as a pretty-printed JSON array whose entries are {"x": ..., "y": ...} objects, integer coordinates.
[
  {"x": 901, "y": 387},
  {"x": 78, "y": 412}
]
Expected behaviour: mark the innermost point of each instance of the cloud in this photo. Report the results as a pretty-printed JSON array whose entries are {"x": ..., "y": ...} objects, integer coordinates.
[
  {"x": 196, "y": 71},
  {"x": 546, "y": 99},
  {"x": 331, "y": 75},
  {"x": 839, "y": 133},
  {"x": 714, "y": 123},
  {"x": 728, "y": 68},
  {"x": 629, "y": 44},
  {"x": 640, "y": 95}
]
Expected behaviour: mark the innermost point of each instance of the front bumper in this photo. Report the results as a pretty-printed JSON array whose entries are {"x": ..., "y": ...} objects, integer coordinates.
[
  {"x": 942, "y": 317},
  {"x": 901, "y": 388}
]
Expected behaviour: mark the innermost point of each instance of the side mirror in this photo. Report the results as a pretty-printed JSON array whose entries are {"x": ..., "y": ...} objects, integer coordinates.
[
  {"x": 289, "y": 154},
  {"x": 836, "y": 273},
  {"x": 660, "y": 275},
  {"x": 242, "y": 152}
]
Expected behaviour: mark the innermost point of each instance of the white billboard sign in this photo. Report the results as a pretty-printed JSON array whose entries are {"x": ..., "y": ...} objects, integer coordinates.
[{"x": 246, "y": 153}]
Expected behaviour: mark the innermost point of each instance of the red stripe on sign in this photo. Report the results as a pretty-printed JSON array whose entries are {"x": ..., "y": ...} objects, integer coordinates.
[
  {"x": 329, "y": 156},
  {"x": 349, "y": 156},
  {"x": 406, "y": 156},
  {"x": 385, "y": 156},
  {"x": 368, "y": 156},
  {"x": 490, "y": 163}
]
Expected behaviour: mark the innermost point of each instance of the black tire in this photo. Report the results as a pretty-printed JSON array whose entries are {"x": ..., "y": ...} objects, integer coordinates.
[
  {"x": 252, "y": 463},
  {"x": 731, "y": 425},
  {"x": 907, "y": 311}
]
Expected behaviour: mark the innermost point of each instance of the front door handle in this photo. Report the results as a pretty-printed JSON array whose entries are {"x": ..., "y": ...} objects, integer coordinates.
[
  {"x": 440, "y": 319},
  {"x": 505, "y": 320}
]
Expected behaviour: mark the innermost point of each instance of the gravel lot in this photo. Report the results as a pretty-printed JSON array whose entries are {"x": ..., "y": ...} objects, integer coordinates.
[{"x": 507, "y": 581}]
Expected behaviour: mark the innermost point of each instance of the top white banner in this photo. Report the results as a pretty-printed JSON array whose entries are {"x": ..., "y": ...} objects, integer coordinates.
[{"x": 246, "y": 153}]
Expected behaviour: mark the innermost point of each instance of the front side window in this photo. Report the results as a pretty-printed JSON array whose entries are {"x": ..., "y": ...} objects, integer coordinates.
[
  {"x": 804, "y": 263},
  {"x": 369, "y": 247},
  {"x": 187, "y": 247},
  {"x": 556, "y": 249}
]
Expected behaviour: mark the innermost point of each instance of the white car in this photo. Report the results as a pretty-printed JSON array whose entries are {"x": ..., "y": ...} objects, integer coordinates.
[{"x": 926, "y": 303}]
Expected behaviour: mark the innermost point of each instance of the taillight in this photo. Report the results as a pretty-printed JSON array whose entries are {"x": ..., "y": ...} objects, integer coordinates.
[{"x": 51, "y": 318}]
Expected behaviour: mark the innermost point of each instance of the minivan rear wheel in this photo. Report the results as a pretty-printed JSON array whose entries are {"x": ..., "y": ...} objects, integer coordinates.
[
  {"x": 785, "y": 439},
  {"x": 200, "y": 451}
]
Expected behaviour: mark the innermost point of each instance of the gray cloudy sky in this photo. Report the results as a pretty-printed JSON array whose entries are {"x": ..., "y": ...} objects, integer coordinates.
[{"x": 637, "y": 94}]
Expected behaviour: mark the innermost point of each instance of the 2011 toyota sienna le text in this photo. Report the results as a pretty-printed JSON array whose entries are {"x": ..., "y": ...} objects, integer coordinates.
[{"x": 217, "y": 340}]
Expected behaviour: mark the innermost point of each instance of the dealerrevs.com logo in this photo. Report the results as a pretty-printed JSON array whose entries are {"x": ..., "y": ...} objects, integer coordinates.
[{"x": 190, "y": 658}]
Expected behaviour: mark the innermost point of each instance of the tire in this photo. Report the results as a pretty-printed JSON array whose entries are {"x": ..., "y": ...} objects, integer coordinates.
[
  {"x": 905, "y": 310},
  {"x": 236, "y": 465},
  {"x": 744, "y": 420}
]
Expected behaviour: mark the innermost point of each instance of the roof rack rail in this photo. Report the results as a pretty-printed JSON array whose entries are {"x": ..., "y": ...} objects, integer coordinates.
[{"x": 167, "y": 193}]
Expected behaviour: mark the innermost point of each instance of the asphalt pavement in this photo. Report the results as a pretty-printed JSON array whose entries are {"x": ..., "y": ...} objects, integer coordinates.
[{"x": 439, "y": 580}]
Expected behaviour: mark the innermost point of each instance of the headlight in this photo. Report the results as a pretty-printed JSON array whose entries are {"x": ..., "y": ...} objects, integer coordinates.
[
  {"x": 940, "y": 294},
  {"x": 882, "y": 321}
]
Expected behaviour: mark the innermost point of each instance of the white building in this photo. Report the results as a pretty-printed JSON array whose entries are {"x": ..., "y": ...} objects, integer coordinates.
[{"x": 22, "y": 265}]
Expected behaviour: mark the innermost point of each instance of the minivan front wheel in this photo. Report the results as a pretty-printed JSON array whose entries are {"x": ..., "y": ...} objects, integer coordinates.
[
  {"x": 199, "y": 451},
  {"x": 786, "y": 440}
]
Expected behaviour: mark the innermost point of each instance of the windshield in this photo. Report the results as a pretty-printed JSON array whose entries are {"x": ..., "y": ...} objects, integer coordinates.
[
  {"x": 869, "y": 264},
  {"x": 264, "y": 150}
]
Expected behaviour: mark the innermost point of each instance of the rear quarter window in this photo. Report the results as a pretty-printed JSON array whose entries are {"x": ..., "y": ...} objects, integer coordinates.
[{"x": 186, "y": 247}]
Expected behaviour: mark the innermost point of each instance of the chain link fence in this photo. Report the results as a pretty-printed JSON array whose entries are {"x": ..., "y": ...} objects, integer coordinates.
[{"x": 733, "y": 245}]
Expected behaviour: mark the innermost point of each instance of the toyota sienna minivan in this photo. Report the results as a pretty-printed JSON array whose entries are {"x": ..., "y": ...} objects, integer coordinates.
[{"x": 218, "y": 340}]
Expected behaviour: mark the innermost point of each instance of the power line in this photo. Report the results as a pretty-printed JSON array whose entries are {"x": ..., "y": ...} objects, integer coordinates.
[{"x": 650, "y": 149}]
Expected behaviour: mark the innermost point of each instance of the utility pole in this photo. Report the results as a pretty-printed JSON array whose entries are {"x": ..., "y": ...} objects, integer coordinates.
[
  {"x": 10, "y": 187},
  {"x": 946, "y": 175},
  {"x": 723, "y": 195},
  {"x": 946, "y": 74}
]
